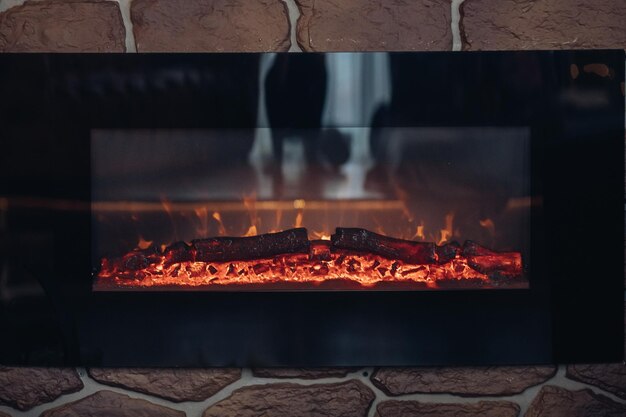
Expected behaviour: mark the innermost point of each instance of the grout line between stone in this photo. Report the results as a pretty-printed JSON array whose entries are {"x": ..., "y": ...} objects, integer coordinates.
[
  {"x": 7, "y": 4},
  {"x": 294, "y": 15},
  {"x": 455, "y": 18},
  {"x": 124, "y": 5}
]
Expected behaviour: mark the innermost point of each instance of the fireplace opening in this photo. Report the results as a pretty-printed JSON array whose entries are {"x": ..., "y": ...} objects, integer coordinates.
[
  {"x": 420, "y": 208},
  {"x": 132, "y": 182}
]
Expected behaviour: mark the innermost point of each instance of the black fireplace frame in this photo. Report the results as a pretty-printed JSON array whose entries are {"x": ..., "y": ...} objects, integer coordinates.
[{"x": 572, "y": 312}]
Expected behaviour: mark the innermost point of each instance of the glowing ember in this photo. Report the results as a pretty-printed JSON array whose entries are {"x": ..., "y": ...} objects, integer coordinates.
[{"x": 213, "y": 264}]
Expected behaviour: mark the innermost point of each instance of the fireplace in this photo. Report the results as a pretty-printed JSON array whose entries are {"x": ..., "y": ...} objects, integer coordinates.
[{"x": 320, "y": 209}]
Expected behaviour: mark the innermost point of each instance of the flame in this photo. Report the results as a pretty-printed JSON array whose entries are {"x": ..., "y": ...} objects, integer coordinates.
[
  {"x": 202, "y": 213},
  {"x": 144, "y": 244},
  {"x": 447, "y": 232},
  {"x": 279, "y": 218},
  {"x": 419, "y": 231},
  {"x": 251, "y": 231},
  {"x": 167, "y": 207},
  {"x": 321, "y": 235},
  {"x": 489, "y": 225},
  {"x": 299, "y": 205},
  {"x": 220, "y": 225},
  {"x": 250, "y": 204}
]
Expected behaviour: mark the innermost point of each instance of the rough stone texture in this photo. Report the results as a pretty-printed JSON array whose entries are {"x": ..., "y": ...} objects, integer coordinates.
[
  {"x": 371, "y": 25},
  {"x": 346, "y": 399},
  {"x": 63, "y": 26},
  {"x": 111, "y": 404},
  {"x": 542, "y": 24},
  {"x": 558, "y": 402},
  {"x": 210, "y": 25},
  {"x": 172, "y": 384},
  {"x": 303, "y": 373},
  {"x": 415, "y": 409},
  {"x": 609, "y": 377},
  {"x": 502, "y": 380},
  {"x": 25, "y": 388}
]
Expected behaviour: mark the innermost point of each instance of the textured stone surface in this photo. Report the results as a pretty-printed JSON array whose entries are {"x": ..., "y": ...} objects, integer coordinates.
[
  {"x": 346, "y": 399},
  {"x": 210, "y": 25},
  {"x": 24, "y": 388},
  {"x": 542, "y": 24},
  {"x": 111, "y": 404},
  {"x": 172, "y": 384},
  {"x": 558, "y": 402},
  {"x": 63, "y": 26},
  {"x": 303, "y": 373},
  {"x": 415, "y": 409},
  {"x": 371, "y": 25},
  {"x": 609, "y": 377},
  {"x": 502, "y": 380}
]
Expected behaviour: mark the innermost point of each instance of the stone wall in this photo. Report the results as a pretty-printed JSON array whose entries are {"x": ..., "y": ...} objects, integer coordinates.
[{"x": 310, "y": 25}]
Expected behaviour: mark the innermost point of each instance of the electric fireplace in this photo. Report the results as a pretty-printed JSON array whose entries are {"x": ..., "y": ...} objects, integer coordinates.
[{"x": 314, "y": 209}]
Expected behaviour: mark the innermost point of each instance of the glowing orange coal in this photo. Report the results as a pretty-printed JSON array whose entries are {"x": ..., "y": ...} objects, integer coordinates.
[{"x": 318, "y": 264}]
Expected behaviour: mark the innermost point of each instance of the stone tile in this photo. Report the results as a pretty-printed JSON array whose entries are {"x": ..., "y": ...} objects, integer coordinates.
[
  {"x": 111, "y": 404},
  {"x": 502, "y": 380},
  {"x": 63, "y": 26},
  {"x": 172, "y": 384},
  {"x": 558, "y": 402},
  {"x": 415, "y": 409},
  {"x": 374, "y": 25},
  {"x": 25, "y": 388},
  {"x": 542, "y": 24},
  {"x": 609, "y": 377},
  {"x": 346, "y": 399},
  {"x": 302, "y": 373},
  {"x": 210, "y": 25}
]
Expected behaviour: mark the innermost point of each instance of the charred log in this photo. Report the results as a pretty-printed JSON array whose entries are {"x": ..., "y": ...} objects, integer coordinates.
[
  {"x": 447, "y": 252},
  {"x": 491, "y": 263},
  {"x": 365, "y": 241},
  {"x": 178, "y": 252},
  {"x": 222, "y": 249},
  {"x": 139, "y": 259}
]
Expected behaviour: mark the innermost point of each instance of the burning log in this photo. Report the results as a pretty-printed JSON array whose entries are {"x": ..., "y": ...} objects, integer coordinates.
[
  {"x": 365, "y": 241},
  {"x": 139, "y": 259},
  {"x": 289, "y": 258},
  {"x": 486, "y": 261},
  {"x": 222, "y": 249},
  {"x": 178, "y": 252},
  {"x": 447, "y": 252}
]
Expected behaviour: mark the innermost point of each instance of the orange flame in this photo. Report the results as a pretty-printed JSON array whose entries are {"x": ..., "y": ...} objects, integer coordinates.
[
  {"x": 220, "y": 225},
  {"x": 447, "y": 232},
  {"x": 250, "y": 204},
  {"x": 489, "y": 225},
  {"x": 419, "y": 232},
  {"x": 321, "y": 235},
  {"x": 203, "y": 216},
  {"x": 299, "y": 205},
  {"x": 251, "y": 231},
  {"x": 144, "y": 244}
]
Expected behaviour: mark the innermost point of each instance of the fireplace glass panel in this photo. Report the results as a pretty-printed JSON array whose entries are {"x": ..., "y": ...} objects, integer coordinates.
[{"x": 459, "y": 196}]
